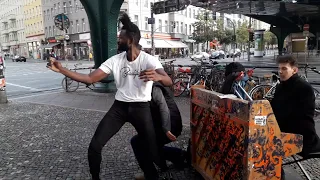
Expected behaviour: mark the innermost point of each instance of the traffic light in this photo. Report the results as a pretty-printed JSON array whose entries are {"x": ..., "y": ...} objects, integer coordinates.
[{"x": 251, "y": 36}]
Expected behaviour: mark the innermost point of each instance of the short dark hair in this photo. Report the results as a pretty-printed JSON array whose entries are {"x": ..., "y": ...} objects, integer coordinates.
[
  {"x": 132, "y": 30},
  {"x": 287, "y": 59}
]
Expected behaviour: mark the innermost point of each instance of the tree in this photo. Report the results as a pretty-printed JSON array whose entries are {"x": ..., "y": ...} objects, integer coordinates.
[
  {"x": 270, "y": 38},
  {"x": 204, "y": 27},
  {"x": 242, "y": 33}
]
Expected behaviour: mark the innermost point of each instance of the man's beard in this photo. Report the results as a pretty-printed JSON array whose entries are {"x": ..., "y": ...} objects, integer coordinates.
[{"x": 123, "y": 47}]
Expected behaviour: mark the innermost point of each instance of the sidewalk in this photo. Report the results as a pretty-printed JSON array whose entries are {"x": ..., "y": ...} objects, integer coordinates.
[{"x": 53, "y": 131}]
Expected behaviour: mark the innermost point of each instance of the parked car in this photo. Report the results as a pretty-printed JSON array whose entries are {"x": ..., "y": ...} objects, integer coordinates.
[
  {"x": 252, "y": 52},
  {"x": 200, "y": 55},
  {"x": 19, "y": 59},
  {"x": 237, "y": 53}
]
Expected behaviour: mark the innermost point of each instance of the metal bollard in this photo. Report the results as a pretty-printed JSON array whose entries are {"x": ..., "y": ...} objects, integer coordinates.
[{"x": 3, "y": 94}]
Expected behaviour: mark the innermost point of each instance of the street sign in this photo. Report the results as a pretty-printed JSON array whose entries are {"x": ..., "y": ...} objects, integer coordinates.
[
  {"x": 151, "y": 20},
  {"x": 306, "y": 27},
  {"x": 62, "y": 21}
]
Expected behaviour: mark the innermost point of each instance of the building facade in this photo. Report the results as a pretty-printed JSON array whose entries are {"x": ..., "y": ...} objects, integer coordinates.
[
  {"x": 12, "y": 31},
  {"x": 78, "y": 32},
  {"x": 34, "y": 31}
]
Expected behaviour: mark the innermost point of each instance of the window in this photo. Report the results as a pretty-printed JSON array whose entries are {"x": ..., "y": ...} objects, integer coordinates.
[
  {"x": 177, "y": 27},
  {"x": 51, "y": 14},
  {"x": 137, "y": 2},
  {"x": 71, "y": 27},
  {"x": 146, "y": 3},
  {"x": 54, "y": 30},
  {"x": 185, "y": 29},
  {"x": 189, "y": 13},
  {"x": 146, "y": 25},
  {"x": 78, "y": 27},
  {"x": 76, "y": 5},
  {"x": 70, "y": 6},
  {"x": 194, "y": 14},
  {"x": 166, "y": 26},
  {"x": 59, "y": 7},
  {"x": 181, "y": 26},
  {"x": 48, "y": 15},
  {"x": 83, "y": 26},
  {"x": 172, "y": 24},
  {"x": 55, "y": 8},
  {"x": 190, "y": 29},
  {"x": 65, "y": 8},
  {"x": 136, "y": 20},
  {"x": 160, "y": 25}
]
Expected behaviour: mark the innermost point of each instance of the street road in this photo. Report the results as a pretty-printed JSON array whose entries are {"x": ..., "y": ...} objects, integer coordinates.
[{"x": 33, "y": 76}]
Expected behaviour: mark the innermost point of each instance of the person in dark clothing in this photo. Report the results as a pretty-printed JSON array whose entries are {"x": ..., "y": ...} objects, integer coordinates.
[
  {"x": 168, "y": 125},
  {"x": 231, "y": 73},
  {"x": 294, "y": 103}
]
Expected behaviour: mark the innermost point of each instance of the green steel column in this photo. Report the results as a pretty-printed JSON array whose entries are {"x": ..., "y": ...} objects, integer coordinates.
[{"x": 103, "y": 16}]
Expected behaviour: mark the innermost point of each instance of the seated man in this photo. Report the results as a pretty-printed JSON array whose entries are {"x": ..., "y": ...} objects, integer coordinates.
[
  {"x": 294, "y": 105},
  {"x": 168, "y": 126}
]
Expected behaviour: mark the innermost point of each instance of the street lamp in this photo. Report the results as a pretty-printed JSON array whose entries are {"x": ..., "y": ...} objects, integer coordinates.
[{"x": 233, "y": 38}]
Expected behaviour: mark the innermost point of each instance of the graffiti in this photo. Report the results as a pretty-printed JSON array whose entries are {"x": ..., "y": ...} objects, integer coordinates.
[{"x": 237, "y": 139}]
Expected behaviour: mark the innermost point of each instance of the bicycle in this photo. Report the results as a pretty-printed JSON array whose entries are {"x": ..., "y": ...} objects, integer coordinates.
[
  {"x": 70, "y": 85},
  {"x": 184, "y": 79}
]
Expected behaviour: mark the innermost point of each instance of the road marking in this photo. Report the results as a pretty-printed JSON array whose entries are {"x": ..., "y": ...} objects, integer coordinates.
[
  {"x": 25, "y": 87},
  {"x": 34, "y": 95}
]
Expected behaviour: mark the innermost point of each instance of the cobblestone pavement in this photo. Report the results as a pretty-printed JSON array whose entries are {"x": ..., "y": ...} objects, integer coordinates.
[{"x": 50, "y": 142}]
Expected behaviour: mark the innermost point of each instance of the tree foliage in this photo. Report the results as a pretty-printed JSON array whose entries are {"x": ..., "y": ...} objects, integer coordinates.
[
  {"x": 204, "y": 27},
  {"x": 270, "y": 38}
]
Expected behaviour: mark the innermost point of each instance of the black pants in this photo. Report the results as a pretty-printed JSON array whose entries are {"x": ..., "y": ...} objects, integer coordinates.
[
  {"x": 175, "y": 155},
  {"x": 139, "y": 115}
]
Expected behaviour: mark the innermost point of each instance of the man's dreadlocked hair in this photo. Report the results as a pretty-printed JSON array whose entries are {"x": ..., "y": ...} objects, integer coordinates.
[{"x": 132, "y": 30}]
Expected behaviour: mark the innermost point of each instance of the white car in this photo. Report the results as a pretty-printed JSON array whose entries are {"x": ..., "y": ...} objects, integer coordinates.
[{"x": 200, "y": 55}]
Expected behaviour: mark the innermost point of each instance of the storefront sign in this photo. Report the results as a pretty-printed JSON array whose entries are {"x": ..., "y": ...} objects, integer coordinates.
[
  {"x": 84, "y": 36},
  {"x": 60, "y": 37}
]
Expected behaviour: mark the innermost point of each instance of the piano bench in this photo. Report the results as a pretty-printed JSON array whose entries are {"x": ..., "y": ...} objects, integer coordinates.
[{"x": 295, "y": 160}]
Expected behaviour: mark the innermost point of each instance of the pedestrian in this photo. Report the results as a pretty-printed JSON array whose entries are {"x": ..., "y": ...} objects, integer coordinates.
[
  {"x": 293, "y": 105},
  {"x": 168, "y": 126},
  {"x": 90, "y": 56},
  {"x": 134, "y": 72}
]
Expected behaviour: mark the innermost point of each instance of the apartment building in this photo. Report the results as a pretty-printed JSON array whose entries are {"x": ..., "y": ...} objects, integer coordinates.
[
  {"x": 78, "y": 32},
  {"x": 12, "y": 29},
  {"x": 34, "y": 31}
]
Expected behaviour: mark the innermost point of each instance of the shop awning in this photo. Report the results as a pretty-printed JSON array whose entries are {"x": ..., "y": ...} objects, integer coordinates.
[
  {"x": 159, "y": 43},
  {"x": 49, "y": 45},
  {"x": 145, "y": 43},
  {"x": 177, "y": 44}
]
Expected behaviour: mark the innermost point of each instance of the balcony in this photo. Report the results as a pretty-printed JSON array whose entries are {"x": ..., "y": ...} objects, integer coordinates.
[
  {"x": 12, "y": 17},
  {"x": 13, "y": 43},
  {"x": 5, "y": 31},
  {"x": 4, "y": 44},
  {"x": 12, "y": 29},
  {"x": 4, "y": 20}
]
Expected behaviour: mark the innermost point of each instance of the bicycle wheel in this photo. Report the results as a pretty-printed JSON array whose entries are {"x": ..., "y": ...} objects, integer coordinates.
[
  {"x": 178, "y": 87},
  {"x": 259, "y": 92},
  {"x": 317, "y": 101},
  {"x": 69, "y": 86}
]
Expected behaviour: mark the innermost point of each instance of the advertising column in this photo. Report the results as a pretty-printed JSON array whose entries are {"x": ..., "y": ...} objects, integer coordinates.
[{"x": 259, "y": 43}]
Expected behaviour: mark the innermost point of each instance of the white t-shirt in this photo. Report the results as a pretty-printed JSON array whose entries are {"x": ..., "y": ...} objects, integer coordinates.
[{"x": 126, "y": 76}]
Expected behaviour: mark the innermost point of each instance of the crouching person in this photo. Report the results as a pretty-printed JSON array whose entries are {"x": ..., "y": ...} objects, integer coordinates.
[{"x": 168, "y": 125}]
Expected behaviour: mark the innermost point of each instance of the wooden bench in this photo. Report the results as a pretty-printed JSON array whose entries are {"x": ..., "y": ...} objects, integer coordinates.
[{"x": 237, "y": 139}]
